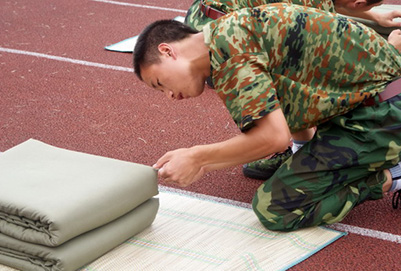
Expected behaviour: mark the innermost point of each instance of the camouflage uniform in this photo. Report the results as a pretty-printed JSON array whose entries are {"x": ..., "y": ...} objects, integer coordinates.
[
  {"x": 264, "y": 168},
  {"x": 196, "y": 19},
  {"x": 321, "y": 70}
]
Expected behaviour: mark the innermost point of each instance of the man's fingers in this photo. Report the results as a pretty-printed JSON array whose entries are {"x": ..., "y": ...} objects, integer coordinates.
[
  {"x": 161, "y": 173},
  {"x": 162, "y": 161},
  {"x": 165, "y": 175}
]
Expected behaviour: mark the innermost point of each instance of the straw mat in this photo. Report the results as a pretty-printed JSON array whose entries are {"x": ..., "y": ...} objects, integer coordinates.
[{"x": 192, "y": 233}]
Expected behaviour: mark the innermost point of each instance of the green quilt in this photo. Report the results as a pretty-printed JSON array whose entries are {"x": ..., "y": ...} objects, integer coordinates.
[{"x": 61, "y": 209}]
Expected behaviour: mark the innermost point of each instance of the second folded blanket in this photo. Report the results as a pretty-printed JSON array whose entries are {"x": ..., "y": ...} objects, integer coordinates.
[{"x": 50, "y": 195}]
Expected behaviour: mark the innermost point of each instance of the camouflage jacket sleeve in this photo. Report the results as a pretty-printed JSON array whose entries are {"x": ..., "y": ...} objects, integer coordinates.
[
  {"x": 326, "y": 5},
  {"x": 246, "y": 88},
  {"x": 196, "y": 19},
  {"x": 228, "y": 6}
]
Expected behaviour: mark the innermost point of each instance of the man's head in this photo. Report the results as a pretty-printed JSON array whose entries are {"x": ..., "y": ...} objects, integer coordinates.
[
  {"x": 146, "y": 50},
  {"x": 164, "y": 59},
  {"x": 357, "y": 5}
]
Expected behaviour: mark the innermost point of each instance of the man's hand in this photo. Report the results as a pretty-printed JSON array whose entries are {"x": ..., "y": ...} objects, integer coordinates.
[
  {"x": 395, "y": 39},
  {"x": 387, "y": 19},
  {"x": 179, "y": 167},
  {"x": 185, "y": 166},
  {"x": 383, "y": 19}
]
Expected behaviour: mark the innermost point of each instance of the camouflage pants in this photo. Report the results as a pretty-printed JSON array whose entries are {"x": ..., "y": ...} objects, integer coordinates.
[{"x": 341, "y": 167}]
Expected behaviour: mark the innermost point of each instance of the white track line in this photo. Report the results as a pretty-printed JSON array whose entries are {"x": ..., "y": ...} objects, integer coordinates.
[
  {"x": 338, "y": 226},
  {"x": 367, "y": 232},
  {"x": 66, "y": 59},
  {"x": 140, "y": 6}
]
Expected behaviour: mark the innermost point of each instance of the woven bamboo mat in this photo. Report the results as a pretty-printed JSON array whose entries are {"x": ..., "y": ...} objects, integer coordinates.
[
  {"x": 192, "y": 233},
  {"x": 202, "y": 234}
]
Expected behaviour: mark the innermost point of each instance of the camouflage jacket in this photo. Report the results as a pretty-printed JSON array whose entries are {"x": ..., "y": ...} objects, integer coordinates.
[
  {"x": 312, "y": 64},
  {"x": 196, "y": 19}
]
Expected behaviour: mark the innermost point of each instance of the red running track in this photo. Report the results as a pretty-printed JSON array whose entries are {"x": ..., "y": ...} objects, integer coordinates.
[{"x": 75, "y": 102}]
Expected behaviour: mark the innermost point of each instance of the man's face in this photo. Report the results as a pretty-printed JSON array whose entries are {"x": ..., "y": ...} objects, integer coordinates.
[{"x": 174, "y": 77}]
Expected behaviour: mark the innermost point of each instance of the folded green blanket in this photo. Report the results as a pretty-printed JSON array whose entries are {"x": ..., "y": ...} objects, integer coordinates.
[
  {"x": 50, "y": 195},
  {"x": 80, "y": 250}
]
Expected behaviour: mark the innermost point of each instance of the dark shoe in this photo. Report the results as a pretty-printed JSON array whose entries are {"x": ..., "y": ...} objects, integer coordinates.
[
  {"x": 263, "y": 169},
  {"x": 396, "y": 199}
]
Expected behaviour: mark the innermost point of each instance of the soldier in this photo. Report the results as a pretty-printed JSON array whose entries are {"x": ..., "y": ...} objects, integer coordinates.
[
  {"x": 281, "y": 69},
  {"x": 204, "y": 11}
]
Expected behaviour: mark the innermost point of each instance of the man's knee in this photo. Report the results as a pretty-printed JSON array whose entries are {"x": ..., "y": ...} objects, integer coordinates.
[{"x": 273, "y": 217}]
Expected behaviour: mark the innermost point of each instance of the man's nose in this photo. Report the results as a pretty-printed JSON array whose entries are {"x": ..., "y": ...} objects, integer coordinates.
[{"x": 170, "y": 95}]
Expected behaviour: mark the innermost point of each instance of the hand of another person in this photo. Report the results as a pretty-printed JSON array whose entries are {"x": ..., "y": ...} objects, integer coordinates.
[
  {"x": 179, "y": 167},
  {"x": 387, "y": 19},
  {"x": 395, "y": 39}
]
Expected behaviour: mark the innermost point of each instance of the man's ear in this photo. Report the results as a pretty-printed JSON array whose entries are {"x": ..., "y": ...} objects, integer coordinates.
[
  {"x": 360, "y": 4},
  {"x": 166, "y": 50}
]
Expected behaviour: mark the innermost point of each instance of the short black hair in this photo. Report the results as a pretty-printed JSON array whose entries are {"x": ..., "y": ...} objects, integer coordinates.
[{"x": 146, "y": 48}]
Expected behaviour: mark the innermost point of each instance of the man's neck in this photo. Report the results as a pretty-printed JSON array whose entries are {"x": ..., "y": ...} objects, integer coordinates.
[{"x": 195, "y": 50}]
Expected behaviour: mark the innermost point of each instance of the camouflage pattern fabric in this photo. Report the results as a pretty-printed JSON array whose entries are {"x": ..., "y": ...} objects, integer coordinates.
[
  {"x": 196, "y": 19},
  {"x": 321, "y": 70},
  {"x": 313, "y": 64},
  {"x": 341, "y": 167}
]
